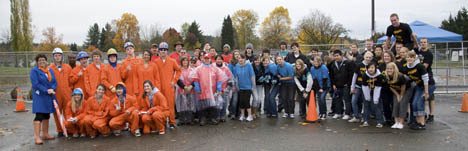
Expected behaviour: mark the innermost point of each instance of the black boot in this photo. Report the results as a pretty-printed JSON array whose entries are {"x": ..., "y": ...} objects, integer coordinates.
[{"x": 430, "y": 119}]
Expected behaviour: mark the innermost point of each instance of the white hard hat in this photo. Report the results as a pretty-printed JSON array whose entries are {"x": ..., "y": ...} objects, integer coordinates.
[{"x": 57, "y": 50}]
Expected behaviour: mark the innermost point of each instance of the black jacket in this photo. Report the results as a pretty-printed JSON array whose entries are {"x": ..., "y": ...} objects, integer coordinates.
[
  {"x": 290, "y": 58},
  {"x": 341, "y": 76}
]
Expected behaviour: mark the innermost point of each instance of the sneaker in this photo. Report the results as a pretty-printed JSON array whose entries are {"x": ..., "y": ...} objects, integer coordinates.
[
  {"x": 162, "y": 132},
  {"x": 330, "y": 113},
  {"x": 379, "y": 125},
  {"x": 117, "y": 132},
  {"x": 395, "y": 125},
  {"x": 291, "y": 115},
  {"x": 172, "y": 126},
  {"x": 126, "y": 127},
  {"x": 346, "y": 117},
  {"x": 76, "y": 135},
  {"x": 242, "y": 118},
  {"x": 285, "y": 115},
  {"x": 430, "y": 119},
  {"x": 399, "y": 126},
  {"x": 83, "y": 135},
  {"x": 365, "y": 124},
  {"x": 137, "y": 133},
  {"x": 249, "y": 118},
  {"x": 323, "y": 116},
  {"x": 336, "y": 116},
  {"x": 353, "y": 120},
  {"x": 418, "y": 127}
]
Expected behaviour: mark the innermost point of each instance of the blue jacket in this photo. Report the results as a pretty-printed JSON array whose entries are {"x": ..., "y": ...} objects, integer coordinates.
[
  {"x": 42, "y": 101},
  {"x": 320, "y": 76}
]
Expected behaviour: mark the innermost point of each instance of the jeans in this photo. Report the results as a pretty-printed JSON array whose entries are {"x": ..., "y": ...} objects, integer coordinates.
[
  {"x": 257, "y": 99},
  {"x": 376, "y": 107},
  {"x": 357, "y": 102},
  {"x": 287, "y": 97},
  {"x": 322, "y": 102},
  {"x": 270, "y": 100},
  {"x": 418, "y": 102},
  {"x": 233, "y": 103}
]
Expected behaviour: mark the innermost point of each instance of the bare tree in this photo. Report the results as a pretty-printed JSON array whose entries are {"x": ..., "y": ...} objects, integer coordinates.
[{"x": 150, "y": 34}]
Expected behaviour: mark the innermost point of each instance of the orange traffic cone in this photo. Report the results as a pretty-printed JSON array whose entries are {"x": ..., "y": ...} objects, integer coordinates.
[
  {"x": 312, "y": 115},
  {"x": 20, "y": 106},
  {"x": 464, "y": 106}
]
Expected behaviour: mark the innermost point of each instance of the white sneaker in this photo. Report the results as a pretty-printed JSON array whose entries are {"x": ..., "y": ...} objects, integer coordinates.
[
  {"x": 117, "y": 132},
  {"x": 353, "y": 120},
  {"x": 285, "y": 115},
  {"x": 379, "y": 125},
  {"x": 249, "y": 118},
  {"x": 365, "y": 124},
  {"x": 346, "y": 117},
  {"x": 323, "y": 116},
  {"x": 336, "y": 116},
  {"x": 242, "y": 118},
  {"x": 291, "y": 115},
  {"x": 395, "y": 125},
  {"x": 400, "y": 126},
  {"x": 137, "y": 133}
]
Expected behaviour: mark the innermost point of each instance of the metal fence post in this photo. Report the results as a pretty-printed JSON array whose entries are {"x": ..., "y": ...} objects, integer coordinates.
[
  {"x": 447, "y": 69},
  {"x": 463, "y": 62}
]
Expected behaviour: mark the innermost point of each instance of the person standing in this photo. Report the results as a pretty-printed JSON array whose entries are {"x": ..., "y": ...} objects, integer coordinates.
[
  {"x": 341, "y": 75},
  {"x": 257, "y": 99},
  {"x": 93, "y": 77},
  {"x": 110, "y": 75},
  {"x": 283, "y": 49},
  {"x": 78, "y": 73},
  {"x": 177, "y": 54},
  {"x": 169, "y": 73},
  {"x": 297, "y": 54},
  {"x": 208, "y": 81},
  {"x": 62, "y": 74},
  {"x": 227, "y": 55},
  {"x": 426, "y": 58},
  {"x": 44, "y": 85},
  {"x": 148, "y": 71},
  {"x": 372, "y": 82},
  {"x": 396, "y": 82},
  {"x": 287, "y": 89},
  {"x": 271, "y": 87},
  {"x": 245, "y": 76},
  {"x": 129, "y": 69},
  {"x": 226, "y": 86},
  {"x": 321, "y": 86},
  {"x": 185, "y": 96},
  {"x": 402, "y": 33},
  {"x": 356, "y": 86}
]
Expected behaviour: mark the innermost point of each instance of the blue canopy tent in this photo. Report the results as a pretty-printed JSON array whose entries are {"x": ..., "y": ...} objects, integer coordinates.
[{"x": 433, "y": 34}]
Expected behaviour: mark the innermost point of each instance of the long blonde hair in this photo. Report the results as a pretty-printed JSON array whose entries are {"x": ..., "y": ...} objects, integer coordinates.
[
  {"x": 75, "y": 105},
  {"x": 396, "y": 73}
]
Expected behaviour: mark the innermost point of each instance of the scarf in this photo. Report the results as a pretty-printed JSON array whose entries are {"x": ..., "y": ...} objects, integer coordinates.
[{"x": 47, "y": 72}]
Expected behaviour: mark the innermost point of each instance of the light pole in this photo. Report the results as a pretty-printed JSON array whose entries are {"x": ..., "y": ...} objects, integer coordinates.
[{"x": 373, "y": 19}]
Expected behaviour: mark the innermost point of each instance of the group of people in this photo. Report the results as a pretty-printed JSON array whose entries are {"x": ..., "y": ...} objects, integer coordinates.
[{"x": 146, "y": 94}]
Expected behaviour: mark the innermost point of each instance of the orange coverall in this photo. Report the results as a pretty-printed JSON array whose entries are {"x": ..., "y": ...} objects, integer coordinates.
[
  {"x": 92, "y": 78},
  {"x": 77, "y": 81},
  {"x": 96, "y": 118},
  {"x": 119, "y": 117},
  {"x": 130, "y": 77},
  {"x": 80, "y": 113},
  {"x": 110, "y": 77},
  {"x": 155, "y": 119},
  {"x": 169, "y": 73},
  {"x": 151, "y": 72},
  {"x": 63, "y": 91}
]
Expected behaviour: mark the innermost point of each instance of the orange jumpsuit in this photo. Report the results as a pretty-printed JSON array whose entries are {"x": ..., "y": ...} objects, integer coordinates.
[
  {"x": 151, "y": 72},
  {"x": 155, "y": 119},
  {"x": 119, "y": 117},
  {"x": 96, "y": 118},
  {"x": 169, "y": 72},
  {"x": 110, "y": 77},
  {"x": 63, "y": 91},
  {"x": 78, "y": 81},
  {"x": 130, "y": 76},
  {"x": 92, "y": 78},
  {"x": 80, "y": 113}
]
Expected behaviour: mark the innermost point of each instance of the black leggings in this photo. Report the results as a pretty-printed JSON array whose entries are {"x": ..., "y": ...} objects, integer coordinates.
[
  {"x": 244, "y": 98},
  {"x": 42, "y": 116}
]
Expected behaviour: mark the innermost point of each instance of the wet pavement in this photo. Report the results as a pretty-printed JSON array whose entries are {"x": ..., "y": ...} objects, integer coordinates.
[{"x": 448, "y": 132}]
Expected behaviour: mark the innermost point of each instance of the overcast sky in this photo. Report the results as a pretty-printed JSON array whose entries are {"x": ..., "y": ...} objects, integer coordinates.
[{"x": 72, "y": 18}]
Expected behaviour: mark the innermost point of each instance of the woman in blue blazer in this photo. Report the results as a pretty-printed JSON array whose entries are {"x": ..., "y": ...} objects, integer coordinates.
[{"x": 43, "y": 90}]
